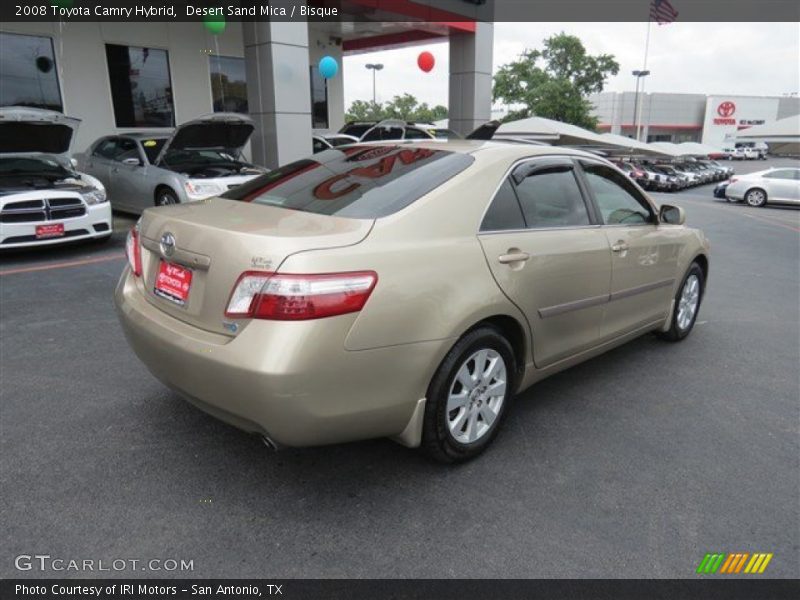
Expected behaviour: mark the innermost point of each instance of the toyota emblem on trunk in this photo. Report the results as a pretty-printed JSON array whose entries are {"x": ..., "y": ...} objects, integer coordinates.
[{"x": 167, "y": 244}]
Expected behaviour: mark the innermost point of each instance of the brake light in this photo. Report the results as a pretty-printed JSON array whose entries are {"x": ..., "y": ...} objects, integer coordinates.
[
  {"x": 292, "y": 297},
  {"x": 134, "y": 251},
  {"x": 733, "y": 180}
]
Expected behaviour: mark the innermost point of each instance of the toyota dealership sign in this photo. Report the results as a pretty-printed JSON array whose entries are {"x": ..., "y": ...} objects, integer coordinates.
[{"x": 726, "y": 115}]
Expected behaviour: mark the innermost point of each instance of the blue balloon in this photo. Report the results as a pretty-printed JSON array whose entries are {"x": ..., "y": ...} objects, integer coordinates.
[{"x": 328, "y": 67}]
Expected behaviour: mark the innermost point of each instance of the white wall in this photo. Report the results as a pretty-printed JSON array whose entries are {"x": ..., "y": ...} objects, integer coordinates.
[{"x": 83, "y": 72}]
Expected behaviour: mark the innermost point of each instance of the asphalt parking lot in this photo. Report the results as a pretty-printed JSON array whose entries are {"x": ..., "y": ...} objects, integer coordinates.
[{"x": 634, "y": 464}]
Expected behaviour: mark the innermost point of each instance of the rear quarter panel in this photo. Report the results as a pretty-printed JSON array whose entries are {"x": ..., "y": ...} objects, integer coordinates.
[{"x": 433, "y": 280}]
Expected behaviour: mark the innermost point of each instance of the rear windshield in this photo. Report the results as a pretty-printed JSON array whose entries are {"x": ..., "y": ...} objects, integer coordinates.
[{"x": 360, "y": 182}]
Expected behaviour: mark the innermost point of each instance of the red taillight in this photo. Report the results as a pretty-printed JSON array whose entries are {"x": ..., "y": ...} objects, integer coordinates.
[
  {"x": 134, "y": 251},
  {"x": 732, "y": 180},
  {"x": 292, "y": 297},
  {"x": 638, "y": 173}
]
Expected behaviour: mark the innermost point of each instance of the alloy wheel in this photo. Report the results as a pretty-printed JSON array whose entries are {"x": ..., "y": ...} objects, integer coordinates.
[
  {"x": 476, "y": 396},
  {"x": 756, "y": 198},
  {"x": 689, "y": 300}
]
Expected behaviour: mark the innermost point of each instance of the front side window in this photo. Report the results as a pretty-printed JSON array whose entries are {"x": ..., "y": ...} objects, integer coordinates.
[
  {"x": 228, "y": 84},
  {"x": 126, "y": 148},
  {"x": 140, "y": 86},
  {"x": 28, "y": 74},
  {"x": 365, "y": 182},
  {"x": 105, "y": 148},
  {"x": 551, "y": 198},
  {"x": 617, "y": 199}
]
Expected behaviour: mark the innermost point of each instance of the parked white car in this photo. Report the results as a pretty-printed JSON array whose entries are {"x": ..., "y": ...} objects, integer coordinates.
[
  {"x": 751, "y": 153},
  {"x": 43, "y": 199},
  {"x": 780, "y": 185}
]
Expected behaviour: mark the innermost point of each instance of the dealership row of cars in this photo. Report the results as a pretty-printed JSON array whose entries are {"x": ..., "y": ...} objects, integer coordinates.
[
  {"x": 675, "y": 175},
  {"x": 48, "y": 197}
]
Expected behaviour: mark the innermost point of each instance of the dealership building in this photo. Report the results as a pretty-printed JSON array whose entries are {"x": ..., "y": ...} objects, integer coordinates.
[
  {"x": 712, "y": 120},
  {"x": 126, "y": 76}
]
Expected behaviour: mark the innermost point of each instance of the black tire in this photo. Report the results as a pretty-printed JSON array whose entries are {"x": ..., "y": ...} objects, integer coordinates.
[
  {"x": 438, "y": 441},
  {"x": 755, "y": 197},
  {"x": 165, "y": 197},
  {"x": 676, "y": 332}
]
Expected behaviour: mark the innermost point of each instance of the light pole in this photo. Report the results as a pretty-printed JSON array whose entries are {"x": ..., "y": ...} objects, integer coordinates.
[
  {"x": 374, "y": 67},
  {"x": 636, "y": 106}
]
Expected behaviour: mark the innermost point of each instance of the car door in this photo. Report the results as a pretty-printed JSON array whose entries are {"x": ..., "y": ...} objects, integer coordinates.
[
  {"x": 644, "y": 255},
  {"x": 97, "y": 161},
  {"x": 549, "y": 255},
  {"x": 782, "y": 185},
  {"x": 128, "y": 177}
]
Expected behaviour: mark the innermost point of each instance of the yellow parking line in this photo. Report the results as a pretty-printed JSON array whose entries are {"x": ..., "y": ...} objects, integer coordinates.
[{"x": 63, "y": 265}]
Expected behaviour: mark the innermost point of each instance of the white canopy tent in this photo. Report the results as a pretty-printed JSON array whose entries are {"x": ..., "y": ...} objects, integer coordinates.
[
  {"x": 548, "y": 130},
  {"x": 695, "y": 149},
  {"x": 783, "y": 135},
  {"x": 634, "y": 147}
]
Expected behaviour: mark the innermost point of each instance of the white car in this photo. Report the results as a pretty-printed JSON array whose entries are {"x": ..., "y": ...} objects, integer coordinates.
[
  {"x": 751, "y": 153},
  {"x": 43, "y": 199},
  {"x": 780, "y": 185},
  {"x": 394, "y": 129}
]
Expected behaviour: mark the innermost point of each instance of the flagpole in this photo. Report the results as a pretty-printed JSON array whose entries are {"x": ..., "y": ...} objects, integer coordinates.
[{"x": 644, "y": 68}]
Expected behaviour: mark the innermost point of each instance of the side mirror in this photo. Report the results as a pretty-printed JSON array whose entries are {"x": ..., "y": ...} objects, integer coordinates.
[
  {"x": 132, "y": 162},
  {"x": 672, "y": 215}
]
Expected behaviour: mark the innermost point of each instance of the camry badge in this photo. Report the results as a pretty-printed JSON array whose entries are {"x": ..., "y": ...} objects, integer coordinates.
[{"x": 167, "y": 244}]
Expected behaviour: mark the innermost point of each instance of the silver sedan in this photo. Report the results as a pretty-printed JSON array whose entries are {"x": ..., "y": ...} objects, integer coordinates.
[{"x": 200, "y": 159}]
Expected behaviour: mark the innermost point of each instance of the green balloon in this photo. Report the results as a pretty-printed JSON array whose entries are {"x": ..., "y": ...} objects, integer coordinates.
[{"x": 215, "y": 24}]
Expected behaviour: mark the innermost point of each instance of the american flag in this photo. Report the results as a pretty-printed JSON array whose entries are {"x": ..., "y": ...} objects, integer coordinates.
[{"x": 662, "y": 12}]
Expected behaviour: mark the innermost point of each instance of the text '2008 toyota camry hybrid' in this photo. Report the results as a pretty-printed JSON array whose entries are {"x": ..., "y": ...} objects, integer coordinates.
[{"x": 406, "y": 290}]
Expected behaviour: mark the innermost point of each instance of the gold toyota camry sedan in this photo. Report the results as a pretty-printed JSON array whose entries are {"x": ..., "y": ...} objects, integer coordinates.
[{"x": 405, "y": 290}]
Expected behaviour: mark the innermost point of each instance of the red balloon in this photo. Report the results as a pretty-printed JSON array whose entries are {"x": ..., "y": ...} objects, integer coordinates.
[{"x": 425, "y": 61}]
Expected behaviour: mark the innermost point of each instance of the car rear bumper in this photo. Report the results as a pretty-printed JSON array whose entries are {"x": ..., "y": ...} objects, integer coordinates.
[
  {"x": 293, "y": 382},
  {"x": 95, "y": 224}
]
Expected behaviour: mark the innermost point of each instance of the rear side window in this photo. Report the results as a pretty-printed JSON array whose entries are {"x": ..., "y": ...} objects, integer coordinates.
[
  {"x": 552, "y": 198},
  {"x": 360, "y": 182},
  {"x": 504, "y": 212}
]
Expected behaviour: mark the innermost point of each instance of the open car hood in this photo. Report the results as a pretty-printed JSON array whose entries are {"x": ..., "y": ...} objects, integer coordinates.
[
  {"x": 228, "y": 131},
  {"x": 24, "y": 129}
]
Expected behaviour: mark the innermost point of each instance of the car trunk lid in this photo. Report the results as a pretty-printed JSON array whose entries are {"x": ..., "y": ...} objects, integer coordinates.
[{"x": 217, "y": 240}]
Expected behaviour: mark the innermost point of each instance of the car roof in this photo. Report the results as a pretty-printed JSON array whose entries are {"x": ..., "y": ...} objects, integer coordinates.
[{"x": 499, "y": 149}]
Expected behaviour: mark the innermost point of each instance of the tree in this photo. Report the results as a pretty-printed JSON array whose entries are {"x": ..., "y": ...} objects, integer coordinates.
[
  {"x": 554, "y": 83},
  {"x": 361, "y": 110},
  {"x": 405, "y": 108}
]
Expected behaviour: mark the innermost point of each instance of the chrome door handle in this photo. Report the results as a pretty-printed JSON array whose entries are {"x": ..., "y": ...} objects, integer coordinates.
[
  {"x": 619, "y": 247},
  {"x": 513, "y": 257}
]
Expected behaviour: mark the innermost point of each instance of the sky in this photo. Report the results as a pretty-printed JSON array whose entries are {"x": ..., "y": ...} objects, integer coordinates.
[{"x": 760, "y": 59}]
